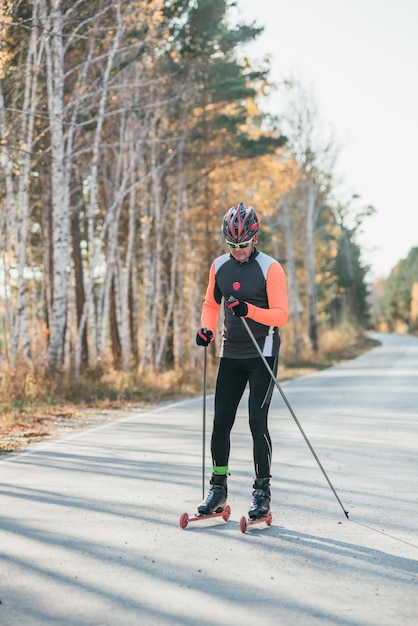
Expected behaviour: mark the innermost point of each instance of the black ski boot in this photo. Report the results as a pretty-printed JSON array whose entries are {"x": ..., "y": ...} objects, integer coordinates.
[
  {"x": 216, "y": 498},
  {"x": 260, "y": 506}
]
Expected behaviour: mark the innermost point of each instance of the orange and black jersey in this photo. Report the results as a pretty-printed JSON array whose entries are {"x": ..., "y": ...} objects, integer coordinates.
[{"x": 261, "y": 283}]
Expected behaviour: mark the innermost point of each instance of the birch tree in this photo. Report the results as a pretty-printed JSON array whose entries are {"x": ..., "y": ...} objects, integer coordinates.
[
  {"x": 52, "y": 21},
  {"x": 315, "y": 153},
  {"x": 18, "y": 140},
  {"x": 95, "y": 243}
]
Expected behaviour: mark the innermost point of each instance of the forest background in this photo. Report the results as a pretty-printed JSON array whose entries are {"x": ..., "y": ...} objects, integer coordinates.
[{"x": 127, "y": 129}]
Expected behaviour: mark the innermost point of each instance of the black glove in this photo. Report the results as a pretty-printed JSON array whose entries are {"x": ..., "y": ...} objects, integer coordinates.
[
  {"x": 204, "y": 337},
  {"x": 237, "y": 307}
]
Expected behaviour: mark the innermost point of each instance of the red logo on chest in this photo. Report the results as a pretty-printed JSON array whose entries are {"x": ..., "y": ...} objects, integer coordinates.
[{"x": 236, "y": 286}]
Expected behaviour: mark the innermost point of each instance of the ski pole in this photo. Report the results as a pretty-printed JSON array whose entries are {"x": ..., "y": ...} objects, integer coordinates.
[
  {"x": 244, "y": 321},
  {"x": 204, "y": 423}
]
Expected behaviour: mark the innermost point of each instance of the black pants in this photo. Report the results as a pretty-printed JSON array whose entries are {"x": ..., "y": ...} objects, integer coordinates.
[{"x": 233, "y": 375}]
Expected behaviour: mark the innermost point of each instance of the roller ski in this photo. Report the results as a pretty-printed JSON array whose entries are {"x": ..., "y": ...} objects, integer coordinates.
[
  {"x": 185, "y": 520},
  {"x": 213, "y": 507},
  {"x": 259, "y": 512}
]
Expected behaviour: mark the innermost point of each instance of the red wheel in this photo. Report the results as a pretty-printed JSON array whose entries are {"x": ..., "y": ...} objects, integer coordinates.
[
  {"x": 184, "y": 520},
  {"x": 243, "y": 524},
  {"x": 269, "y": 520},
  {"x": 227, "y": 513}
]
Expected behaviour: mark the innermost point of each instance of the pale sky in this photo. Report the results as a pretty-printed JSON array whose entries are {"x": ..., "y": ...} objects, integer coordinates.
[{"x": 360, "y": 58}]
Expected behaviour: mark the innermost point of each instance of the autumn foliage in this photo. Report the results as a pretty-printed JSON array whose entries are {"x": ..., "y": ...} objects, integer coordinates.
[{"x": 127, "y": 129}]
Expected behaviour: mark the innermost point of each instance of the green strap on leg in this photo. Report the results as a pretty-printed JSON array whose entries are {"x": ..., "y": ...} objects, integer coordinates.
[{"x": 219, "y": 470}]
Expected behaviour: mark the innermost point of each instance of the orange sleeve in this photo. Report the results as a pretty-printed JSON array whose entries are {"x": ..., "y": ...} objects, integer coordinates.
[
  {"x": 210, "y": 309},
  {"x": 276, "y": 287}
]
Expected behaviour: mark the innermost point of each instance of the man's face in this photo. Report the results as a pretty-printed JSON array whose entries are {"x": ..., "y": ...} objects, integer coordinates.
[{"x": 242, "y": 254}]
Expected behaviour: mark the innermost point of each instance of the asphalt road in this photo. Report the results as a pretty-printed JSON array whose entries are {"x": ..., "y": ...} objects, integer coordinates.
[{"x": 89, "y": 524}]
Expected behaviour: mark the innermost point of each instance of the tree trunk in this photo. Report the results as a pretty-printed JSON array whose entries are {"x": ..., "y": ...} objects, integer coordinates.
[
  {"x": 114, "y": 328},
  {"x": 310, "y": 264},
  {"x": 80, "y": 296},
  {"x": 52, "y": 23}
]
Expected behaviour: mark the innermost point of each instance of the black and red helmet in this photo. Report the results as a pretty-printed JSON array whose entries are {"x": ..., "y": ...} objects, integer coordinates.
[{"x": 240, "y": 223}]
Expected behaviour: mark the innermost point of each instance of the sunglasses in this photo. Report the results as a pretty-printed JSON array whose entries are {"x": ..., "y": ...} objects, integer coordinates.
[{"x": 244, "y": 244}]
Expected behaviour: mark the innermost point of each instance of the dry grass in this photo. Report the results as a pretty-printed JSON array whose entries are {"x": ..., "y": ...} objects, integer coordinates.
[
  {"x": 335, "y": 345},
  {"x": 36, "y": 406}
]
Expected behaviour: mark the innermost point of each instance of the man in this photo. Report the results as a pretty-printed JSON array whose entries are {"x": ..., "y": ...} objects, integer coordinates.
[{"x": 257, "y": 284}]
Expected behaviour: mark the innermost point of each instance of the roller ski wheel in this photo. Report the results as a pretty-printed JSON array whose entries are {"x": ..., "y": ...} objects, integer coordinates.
[
  {"x": 245, "y": 522},
  {"x": 185, "y": 520}
]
